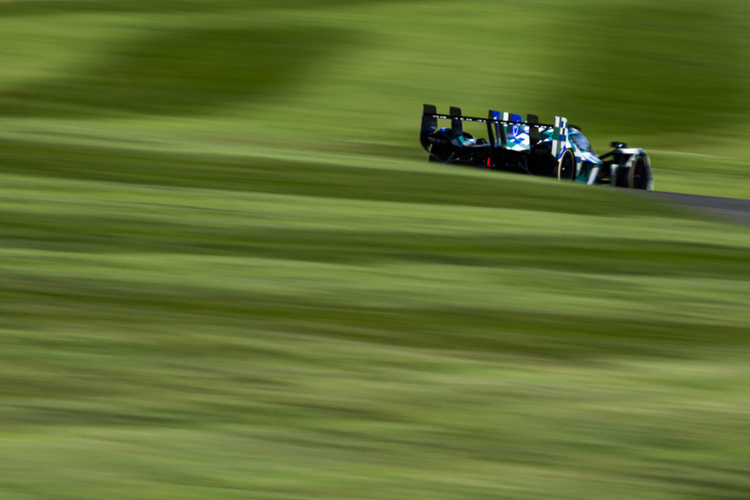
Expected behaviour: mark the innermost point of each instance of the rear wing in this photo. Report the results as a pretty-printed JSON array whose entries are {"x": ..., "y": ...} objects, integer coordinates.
[{"x": 505, "y": 130}]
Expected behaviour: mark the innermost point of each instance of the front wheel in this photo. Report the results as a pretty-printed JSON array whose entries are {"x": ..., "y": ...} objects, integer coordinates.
[
  {"x": 638, "y": 175},
  {"x": 566, "y": 167}
]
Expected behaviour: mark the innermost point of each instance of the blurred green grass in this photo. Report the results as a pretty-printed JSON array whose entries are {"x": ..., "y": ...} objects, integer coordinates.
[
  {"x": 351, "y": 77},
  {"x": 228, "y": 271}
]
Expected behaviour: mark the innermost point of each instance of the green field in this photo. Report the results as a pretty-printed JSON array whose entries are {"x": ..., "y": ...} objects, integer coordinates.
[{"x": 227, "y": 270}]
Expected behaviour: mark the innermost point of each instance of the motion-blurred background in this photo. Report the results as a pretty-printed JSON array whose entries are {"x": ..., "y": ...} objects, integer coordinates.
[{"x": 228, "y": 271}]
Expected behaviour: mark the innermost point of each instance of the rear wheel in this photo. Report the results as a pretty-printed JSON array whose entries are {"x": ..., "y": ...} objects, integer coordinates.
[
  {"x": 441, "y": 149},
  {"x": 638, "y": 175},
  {"x": 566, "y": 167},
  {"x": 439, "y": 154}
]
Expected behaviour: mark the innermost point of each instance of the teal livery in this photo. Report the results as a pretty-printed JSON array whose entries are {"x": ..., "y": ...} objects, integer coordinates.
[{"x": 556, "y": 150}]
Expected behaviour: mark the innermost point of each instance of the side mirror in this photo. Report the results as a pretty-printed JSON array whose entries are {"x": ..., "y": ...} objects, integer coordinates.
[{"x": 618, "y": 145}]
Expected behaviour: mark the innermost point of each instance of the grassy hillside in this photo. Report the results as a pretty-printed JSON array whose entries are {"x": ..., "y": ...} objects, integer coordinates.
[
  {"x": 351, "y": 76},
  {"x": 194, "y": 307}
]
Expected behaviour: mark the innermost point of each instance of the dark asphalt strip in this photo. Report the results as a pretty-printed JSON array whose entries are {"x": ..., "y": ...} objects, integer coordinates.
[{"x": 734, "y": 209}]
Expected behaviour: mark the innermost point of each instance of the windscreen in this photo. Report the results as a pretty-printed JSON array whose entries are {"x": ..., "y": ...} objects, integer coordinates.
[{"x": 580, "y": 141}]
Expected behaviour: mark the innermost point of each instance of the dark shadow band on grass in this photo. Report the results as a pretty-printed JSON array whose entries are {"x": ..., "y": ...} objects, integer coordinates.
[
  {"x": 182, "y": 72},
  {"x": 24, "y": 8}
]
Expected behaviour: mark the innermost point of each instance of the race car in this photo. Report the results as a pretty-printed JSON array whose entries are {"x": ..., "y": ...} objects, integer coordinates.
[{"x": 558, "y": 150}]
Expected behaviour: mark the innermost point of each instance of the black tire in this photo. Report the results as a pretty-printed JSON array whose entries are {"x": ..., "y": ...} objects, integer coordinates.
[
  {"x": 638, "y": 175},
  {"x": 441, "y": 149},
  {"x": 439, "y": 155},
  {"x": 566, "y": 167}
]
